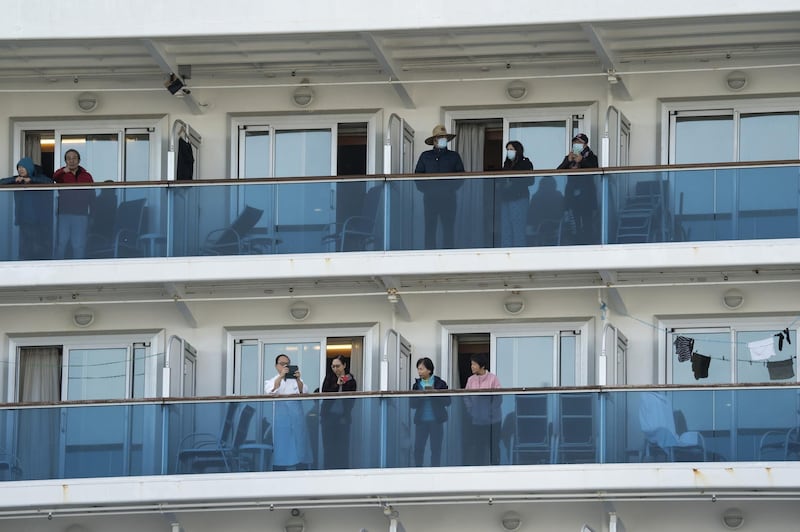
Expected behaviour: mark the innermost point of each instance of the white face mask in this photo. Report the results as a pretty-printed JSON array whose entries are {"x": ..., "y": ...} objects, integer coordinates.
[
  {"x": 441, "y": 143},
  {"x": 577, "y": 148},
  {"x": 510, "y": 154}
]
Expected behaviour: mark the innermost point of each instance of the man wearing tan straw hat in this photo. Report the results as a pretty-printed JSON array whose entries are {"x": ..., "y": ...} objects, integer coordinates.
[{"x": 439, "y": 195}]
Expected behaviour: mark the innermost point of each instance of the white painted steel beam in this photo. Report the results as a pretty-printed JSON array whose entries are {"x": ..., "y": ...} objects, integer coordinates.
[
  {"x": 389, "y": 67},
  {"x": 606, "y": 56},
  {"x": 168, "y": 66}
]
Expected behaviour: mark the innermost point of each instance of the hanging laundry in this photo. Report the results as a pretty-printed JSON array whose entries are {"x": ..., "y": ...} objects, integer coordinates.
[
  {"x": 781, "y": 370},
  {"x": 784, "y": 334},
  {"x": 683, "y": 348},
  {"x": 762, "y": 349},
  {"x": 700, "y": 365}
]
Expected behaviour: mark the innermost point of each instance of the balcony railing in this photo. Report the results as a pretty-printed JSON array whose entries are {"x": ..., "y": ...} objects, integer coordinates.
[
  {"x": 666, "y": 204},
  {"x": 336, "y": 431}
]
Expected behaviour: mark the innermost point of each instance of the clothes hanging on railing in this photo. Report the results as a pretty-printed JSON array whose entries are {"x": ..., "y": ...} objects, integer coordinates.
[
  {"x": 762, "y": 349},
  {"x": 700, "y": 365},
  {"x": 185, "y": 166},
  {"x": 683, "y": 348},
  {"x": 781, "y": 369}
]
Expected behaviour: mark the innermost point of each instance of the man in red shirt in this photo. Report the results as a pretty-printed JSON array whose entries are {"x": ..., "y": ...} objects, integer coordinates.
[{"x": 73, "y": 207}]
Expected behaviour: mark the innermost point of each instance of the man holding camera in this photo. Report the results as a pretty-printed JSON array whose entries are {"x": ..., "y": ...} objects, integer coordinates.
[{"x": 291, "y": 446}]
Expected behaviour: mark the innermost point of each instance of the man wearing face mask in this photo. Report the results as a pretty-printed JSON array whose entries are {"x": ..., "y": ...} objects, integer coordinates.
[
  {"x": 580, "y": 193},
  {"x": 439, "y": 196}
]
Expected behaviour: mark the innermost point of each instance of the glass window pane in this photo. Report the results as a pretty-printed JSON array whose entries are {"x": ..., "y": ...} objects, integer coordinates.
[
  {"x": 781, "y": 367},
  {"x": 525, "y": 361},
  {"x": 97, "y": 374},
  {"x": 137, "y": 156},
  {"x": 543, "y": 141},
  {"x": 99, "y": 153},
  {"x": 139, "y": 360},
  {"x": 703, "y": 139},
  {"x": 306, "y": 356},
  {"x": 250, "y": 382},
  {"x": 303, "y": 153},
  {"x": 256, "y": 154},
  {"x": 569, "y": 357},
  {"x": 769, "y": 136},
  {"x": 714, "y": 345}
]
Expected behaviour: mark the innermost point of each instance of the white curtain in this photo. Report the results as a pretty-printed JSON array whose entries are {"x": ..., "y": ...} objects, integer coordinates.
[
  {"x": 39, "y": 382},
  {"x": 474, "y": 212}
]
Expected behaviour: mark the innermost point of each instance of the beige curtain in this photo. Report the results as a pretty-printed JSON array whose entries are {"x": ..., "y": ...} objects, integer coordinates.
[
  {"x": 39, "y": 381},
  {"x": 474, "y": 212},
  {"x": 33, "y": 147}
]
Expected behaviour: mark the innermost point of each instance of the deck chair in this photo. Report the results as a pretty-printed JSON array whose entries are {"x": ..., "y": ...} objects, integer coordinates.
[
  {"x": 357, "y": 233},
  {"x": 533, "y": 431},
  {"x": 10, "y": 468},
  {"x": 575, "y": 437},
  {"x": 123, "y": 241},
  {"x": 640, "y": 217},
  {"x": 259, "y": 452},
  {"x": 198, "y": 445},
  {"x": 780, "y": 444},
  {"x": 661, "y": 439},
  {"x": 232, "y": 240}
]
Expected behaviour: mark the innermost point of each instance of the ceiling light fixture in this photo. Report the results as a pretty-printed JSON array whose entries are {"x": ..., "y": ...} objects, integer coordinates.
[
  {"x": 303, "y": 95},
  {"x": 83, "y": 317},
  {"x": 511, "y": 521},
  {"x": 299, "y": 310},
  {"x": 87, "y": 102},
  {"x": 736, "y": 80},
  {"x": 732, "y": 299},
  {"x": 295, "y": 522},
  {"x": 516, "y": 90},
  {"x": 733, "y": 518},
  {"x": 514, "y": 304}
]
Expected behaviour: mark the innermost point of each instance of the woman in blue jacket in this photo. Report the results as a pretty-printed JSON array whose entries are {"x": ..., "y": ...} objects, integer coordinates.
[
  {"x": 33, "y": 211},
  {"x": 430, "y": 415}
]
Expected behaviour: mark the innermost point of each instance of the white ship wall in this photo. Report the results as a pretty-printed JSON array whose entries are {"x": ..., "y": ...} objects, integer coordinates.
[
  {"x": 431, "y": 99},
  {"x": 644, "y": 305}
]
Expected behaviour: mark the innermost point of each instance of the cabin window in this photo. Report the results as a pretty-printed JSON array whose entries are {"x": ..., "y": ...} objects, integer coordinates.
[
  {"x": 731, "y": 131},
  {"x": 295, "y": 146},
  {"x": 522, "y": 356},
  {"x": 254, "y": 353},
  {"x": 118, "y": 150},
  {"x": 744, "y": 351},
  {"x": 84, "y": 369},
  {"x": 545, "y": 132}
]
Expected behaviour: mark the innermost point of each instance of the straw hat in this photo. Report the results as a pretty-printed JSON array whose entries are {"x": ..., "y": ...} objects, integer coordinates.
[{"x": 439, "y": 131}]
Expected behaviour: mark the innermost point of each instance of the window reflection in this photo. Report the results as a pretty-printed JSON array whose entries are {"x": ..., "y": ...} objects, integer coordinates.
[
  {"x": 703, "y": 139},
  {"x": 99, "y": 153},
  {"x": 769, "y": 136}
]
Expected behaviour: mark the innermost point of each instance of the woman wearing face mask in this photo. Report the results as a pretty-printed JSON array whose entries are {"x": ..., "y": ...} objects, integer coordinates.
[
  {"x": 335, "y": 415},
  {"x": 512, "y": 196},
  {"x": 580, "y": 194}
]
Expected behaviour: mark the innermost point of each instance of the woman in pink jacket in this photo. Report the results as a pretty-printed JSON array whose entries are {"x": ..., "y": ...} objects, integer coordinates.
[{"x": 483, "y": 430}]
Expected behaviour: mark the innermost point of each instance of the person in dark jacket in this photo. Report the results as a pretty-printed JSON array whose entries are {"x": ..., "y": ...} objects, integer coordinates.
[
  {"x": 580, "y": 194},
  {"x": 512, "y": 196},
  {"x": 335, "y": 415},
  {"x": 32, "y": 211},
  {"x": 439, "y": 196},
  {"x": 430, "y": 413},
  {"x": 73, "y": 207}
]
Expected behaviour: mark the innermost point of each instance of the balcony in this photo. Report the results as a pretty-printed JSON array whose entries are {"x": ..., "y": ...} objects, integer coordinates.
[
  {"x": 381, "y": 431},
  {"x": 389, "y": 213}
]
